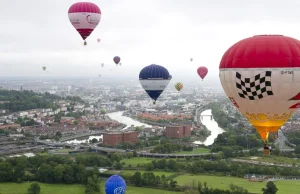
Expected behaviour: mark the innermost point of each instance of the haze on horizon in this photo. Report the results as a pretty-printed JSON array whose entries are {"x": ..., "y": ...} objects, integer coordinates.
[{"x": 38, "y": 33}]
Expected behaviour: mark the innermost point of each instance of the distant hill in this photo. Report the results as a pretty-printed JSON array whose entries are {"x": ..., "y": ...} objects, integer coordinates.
[{"x": 14, "y": 101}]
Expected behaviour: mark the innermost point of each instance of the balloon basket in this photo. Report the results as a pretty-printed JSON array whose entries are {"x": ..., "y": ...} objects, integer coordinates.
[
  {"x": 267, "y": 152},
  {"x": 154, "y": 102},
  {"x": 84, "y": 43}
]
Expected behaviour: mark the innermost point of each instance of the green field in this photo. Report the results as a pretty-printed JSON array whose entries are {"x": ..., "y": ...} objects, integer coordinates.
[
  {"x": 159, "y": 173},
  {"x": 15, "y": 188},
  {"x": 195, "y": 151},
  {"x": 284, "y": 186}
]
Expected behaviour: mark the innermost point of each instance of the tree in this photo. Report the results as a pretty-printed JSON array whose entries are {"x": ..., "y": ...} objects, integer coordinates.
[
  {"x": 102, "y": 111},
  {"x": 34, "y": 188},
  {"x": 94, "y": 140},
  {"x": 172, "y": 184},
  {"x": 58, "y": 134},
  {"x": 75, "y": 122},
  {"x": 93, "y": 185},
  {"x": 297, "y": 150},
  {"x": 134, "y": 153},
  {"x": 271, "y": 188},
  {"x": 137, "y": 179},
  {"x": 139, "y": 129},
  {"x": 116, "y": 157}
]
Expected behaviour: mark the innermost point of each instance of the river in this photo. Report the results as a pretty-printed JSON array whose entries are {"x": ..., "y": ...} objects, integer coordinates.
[
  {"x": 211, "y": 125},
  {"x": 85, "y": 140},
  {"x": 125, "y": 120}
]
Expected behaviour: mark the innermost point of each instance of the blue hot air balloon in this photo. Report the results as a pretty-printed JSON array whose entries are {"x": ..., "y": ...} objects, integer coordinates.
[
  {"x": 154, "y": 79},
  {"x": 115, "y": 185}
]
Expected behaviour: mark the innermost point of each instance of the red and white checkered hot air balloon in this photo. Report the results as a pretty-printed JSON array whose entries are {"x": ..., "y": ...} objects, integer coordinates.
[
  {"x": 261, "y": 77},
  {"x": 85, "y": 17}
]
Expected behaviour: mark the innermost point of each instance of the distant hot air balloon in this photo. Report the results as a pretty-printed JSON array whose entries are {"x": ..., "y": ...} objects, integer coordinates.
[
  {"x": 178, "y": 86},
  {"x": 191, "y": 59},
  {"x": 261, "y": 78},
  {"x": 102, "y": 64},
  {"x": 85, "y": 17},
  {"x": 117, "y": 60},
  {"x": 99, "y": 75},
  {"x": 120, "y": 64},
  {"x": 154, "y": 79},
  {"x": 44, "y": 68},
  {"x": 202, "y": 71},
  {"x": 115, "y": 185},
  {"x": 98, "y": 40}
]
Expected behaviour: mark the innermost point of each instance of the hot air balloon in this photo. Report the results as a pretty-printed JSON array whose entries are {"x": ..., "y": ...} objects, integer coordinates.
[
  {"x": 191, "y": 59},
  {"x": 202, "y": 71},
  {"x": 102, "y": 64},
  {"x": 99, "y": 75},
  {"x": 98, "y": 40},
  {"x": 85, "y": 17},
  {"x": 117, "y": 60},
  {"x": 154, "y": 79},
  {"x": 120, "y": 64},
  {"x": 178, "y": 86},
  {"x": 261, "y": 78},
  {"x": 115, "y": 185},
  {"x": 44, "y": 68}
]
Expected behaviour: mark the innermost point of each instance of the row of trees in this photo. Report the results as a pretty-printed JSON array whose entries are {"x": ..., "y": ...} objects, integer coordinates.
[
  {"x": 170, "y": 147},
  {"x": 224, "y": 166},
  {"x": 233, "y": 189},
  {"x": 47, "y": 169}
]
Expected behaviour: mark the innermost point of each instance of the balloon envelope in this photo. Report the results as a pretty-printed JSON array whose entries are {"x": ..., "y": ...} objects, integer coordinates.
[
  {"x": 154, "y": 79},
  {"x": 84, "y": 16},
  {"x": 178, "y": 86},
  {"x": 115, "y": 185},
  {"x": 202, "y": 72},
  {"x": 261, "y": 77},
  {"x": 117, "y": 59}
]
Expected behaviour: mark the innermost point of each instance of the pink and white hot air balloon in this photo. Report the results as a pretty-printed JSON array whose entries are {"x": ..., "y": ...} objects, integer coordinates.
[
  {"x": 98, "y": 40},
  {"x": 202, "y": 72},
  {"x": 85, "y": 17}
]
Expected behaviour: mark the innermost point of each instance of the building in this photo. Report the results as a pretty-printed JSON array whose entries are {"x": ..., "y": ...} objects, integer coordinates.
[
  {"x": 178, "y": 131},
  {"x": 120, "y": 137}
]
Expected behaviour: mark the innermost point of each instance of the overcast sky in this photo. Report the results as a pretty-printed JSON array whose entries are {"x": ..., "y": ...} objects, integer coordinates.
[{"x": 35, "y": 33}]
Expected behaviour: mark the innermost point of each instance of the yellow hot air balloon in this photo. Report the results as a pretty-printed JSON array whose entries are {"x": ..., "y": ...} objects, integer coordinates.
[
  {"x": 261, "y": 77},
  {"x": 178, "y": 86}
]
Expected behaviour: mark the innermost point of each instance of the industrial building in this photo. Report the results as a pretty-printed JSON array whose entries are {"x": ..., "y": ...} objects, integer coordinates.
[
  {"x": 178, "y": 131},
  {"x": 120, "y": 137}
]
